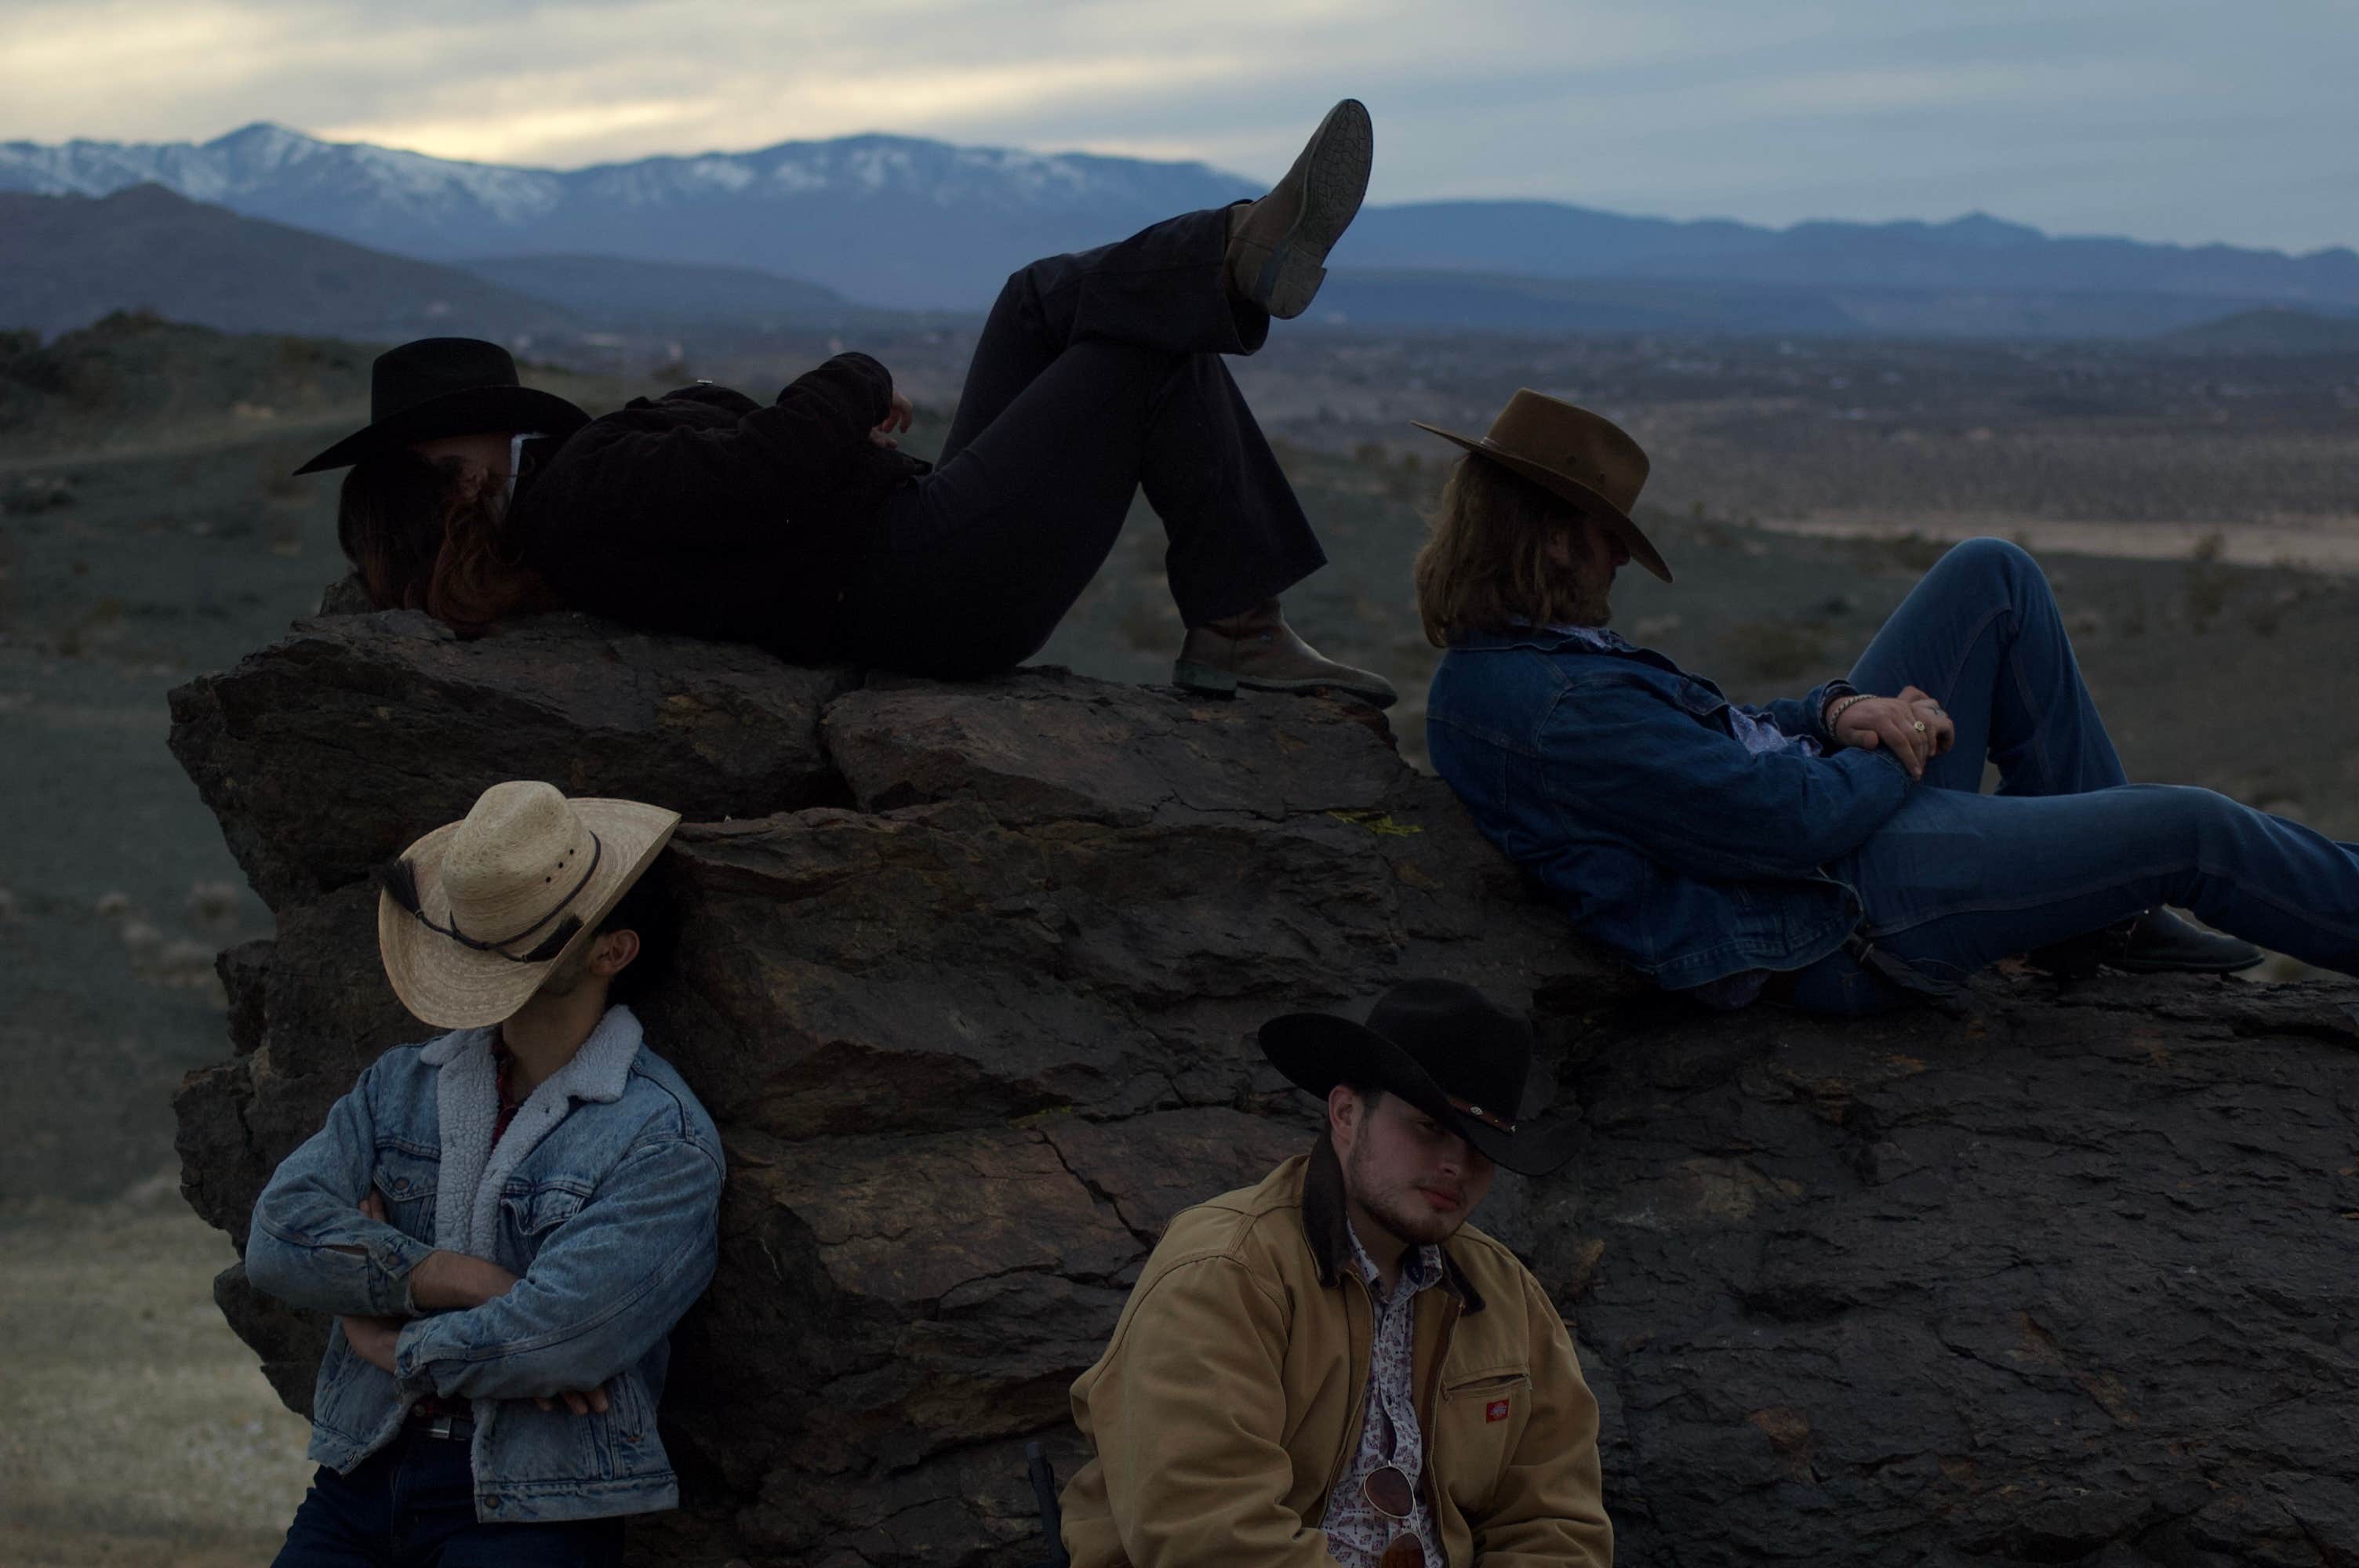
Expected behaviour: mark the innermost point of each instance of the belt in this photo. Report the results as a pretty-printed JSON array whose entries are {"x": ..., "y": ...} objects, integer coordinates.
[{"x": 456, "y": 1428}]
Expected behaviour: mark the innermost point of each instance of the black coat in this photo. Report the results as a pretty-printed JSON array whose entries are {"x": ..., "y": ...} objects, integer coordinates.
[{"x": 702, "y": 512}]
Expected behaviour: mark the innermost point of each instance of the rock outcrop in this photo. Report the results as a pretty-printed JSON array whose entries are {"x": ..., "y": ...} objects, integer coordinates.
[{"x": 969, "y": 978}]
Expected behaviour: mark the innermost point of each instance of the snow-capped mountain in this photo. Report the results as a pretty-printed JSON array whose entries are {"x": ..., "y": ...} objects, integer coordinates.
[
  {"x": 891, "y": 219},
  {"x": 900, "y": 221}
]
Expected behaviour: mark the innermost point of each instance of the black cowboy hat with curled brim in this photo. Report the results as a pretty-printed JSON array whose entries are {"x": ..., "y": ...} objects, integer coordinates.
[
  {"x": 447, "y": 386},
  {"x": 1578, "y": 456},
  {"x": 1444, "y": 1047}
]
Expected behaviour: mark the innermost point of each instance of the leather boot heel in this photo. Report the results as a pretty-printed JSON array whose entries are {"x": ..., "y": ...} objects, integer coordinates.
[{"x": 1208, "y": 678}]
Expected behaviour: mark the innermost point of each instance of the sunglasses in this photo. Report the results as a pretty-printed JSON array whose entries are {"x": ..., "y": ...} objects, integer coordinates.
[
  {"x": 398, "y": 878},
  {"x": 1391, "y": 1493}
]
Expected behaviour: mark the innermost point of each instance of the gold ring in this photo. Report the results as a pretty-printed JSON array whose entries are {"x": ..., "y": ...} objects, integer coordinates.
[{"x": 1919, "y": 726}]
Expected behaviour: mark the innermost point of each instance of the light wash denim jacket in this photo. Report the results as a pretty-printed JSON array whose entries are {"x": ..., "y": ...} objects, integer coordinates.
[
  {"x": 603, "y": 1198},
  {"x": 1617, "y": 778}
]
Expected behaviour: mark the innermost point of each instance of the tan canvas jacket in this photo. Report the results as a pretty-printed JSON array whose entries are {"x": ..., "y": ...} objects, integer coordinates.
[{"x": 1229, "y": 1399}]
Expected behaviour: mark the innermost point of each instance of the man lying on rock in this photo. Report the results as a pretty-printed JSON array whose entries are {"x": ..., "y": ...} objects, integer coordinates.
[
  {"x": 508, "y": 1222},
  {"x": 1334, "y": 1367},
  {"x": 799, "y": 526},
  {"x": 1833, "y": 849}
]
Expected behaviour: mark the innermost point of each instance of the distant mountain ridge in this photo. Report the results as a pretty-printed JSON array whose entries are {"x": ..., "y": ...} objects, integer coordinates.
[
  {"x": 65, "y": 262},
  {"x": 907, "y": 222}
]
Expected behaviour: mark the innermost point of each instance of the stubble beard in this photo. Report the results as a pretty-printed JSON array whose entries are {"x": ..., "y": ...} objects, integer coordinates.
[{"x": 1401, "y": 1211}]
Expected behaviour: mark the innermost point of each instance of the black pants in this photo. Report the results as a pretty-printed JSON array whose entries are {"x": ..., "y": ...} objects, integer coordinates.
[{"x": 1096, "y": 374}]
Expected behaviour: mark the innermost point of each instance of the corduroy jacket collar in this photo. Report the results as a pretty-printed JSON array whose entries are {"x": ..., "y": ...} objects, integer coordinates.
[{"x": 1327, "y": 1229}]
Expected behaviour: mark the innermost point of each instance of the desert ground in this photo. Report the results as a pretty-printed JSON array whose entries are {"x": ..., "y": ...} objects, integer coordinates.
[{"x": 2198, "y": 516}]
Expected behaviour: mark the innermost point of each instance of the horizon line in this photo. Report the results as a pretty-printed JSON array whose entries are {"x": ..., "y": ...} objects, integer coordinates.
[{"x": 1984, "y": 213}]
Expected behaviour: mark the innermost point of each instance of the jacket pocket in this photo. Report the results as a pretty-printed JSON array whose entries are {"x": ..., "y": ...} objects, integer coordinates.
[
  {"x": 529, "y": 1212},
  {"x": 1481, "y": 1419},
  {"x": 406, "y": 1180}
]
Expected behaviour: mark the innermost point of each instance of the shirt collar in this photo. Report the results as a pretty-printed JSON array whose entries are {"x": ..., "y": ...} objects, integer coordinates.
[
  {"x": 1420, "y": 1270},
  {"x": 1597, "y": 637}
]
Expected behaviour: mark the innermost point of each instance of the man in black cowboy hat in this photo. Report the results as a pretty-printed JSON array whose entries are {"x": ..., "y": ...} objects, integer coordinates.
[
  {"x": 1833, "y": 849},
  {"x": 1334, "y": 1367},
  {"x": 799, "y": 526}
]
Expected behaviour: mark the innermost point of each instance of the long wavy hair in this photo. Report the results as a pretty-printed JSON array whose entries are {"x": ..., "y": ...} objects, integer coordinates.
[
  {"x": 431, "y": 535},
  {"x": 1484, "y": 565}
]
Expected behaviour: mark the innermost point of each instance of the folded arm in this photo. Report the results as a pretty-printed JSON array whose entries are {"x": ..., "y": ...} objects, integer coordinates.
[
  {"x": 606, "y": 1286},
  {"x": 1624, "y": 755},
  {"x": 1187, "y": 1420},
  {"x": 744, "y": 481},
  {"x": 310, "y": 1245},
  {"x": 1804, "y": 716}
]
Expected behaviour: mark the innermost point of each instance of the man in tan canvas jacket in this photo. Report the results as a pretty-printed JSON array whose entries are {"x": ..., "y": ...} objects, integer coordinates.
[{"x": 1331, "y": 1368}]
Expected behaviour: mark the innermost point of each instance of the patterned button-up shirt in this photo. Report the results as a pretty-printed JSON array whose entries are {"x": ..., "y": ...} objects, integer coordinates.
[{"x": 1356, "y": 1533}]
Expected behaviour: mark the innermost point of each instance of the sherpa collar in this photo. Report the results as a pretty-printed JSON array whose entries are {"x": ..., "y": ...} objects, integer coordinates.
[{"x": 467, "y": 1096}]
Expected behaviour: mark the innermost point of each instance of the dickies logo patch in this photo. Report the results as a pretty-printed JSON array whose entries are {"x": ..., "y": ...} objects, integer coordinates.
[{"x": 1495, "y": 1411}]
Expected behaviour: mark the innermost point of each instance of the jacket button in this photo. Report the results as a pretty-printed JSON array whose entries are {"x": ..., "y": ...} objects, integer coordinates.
[{"x": 492, "y": 1504}]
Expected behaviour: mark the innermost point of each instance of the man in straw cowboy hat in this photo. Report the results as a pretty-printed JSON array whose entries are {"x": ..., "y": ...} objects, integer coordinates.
[
  {"x": 506, "y": 1222},
  {"x": 1334, "y": 1367},
  {"x": 1832, "y": 850}
]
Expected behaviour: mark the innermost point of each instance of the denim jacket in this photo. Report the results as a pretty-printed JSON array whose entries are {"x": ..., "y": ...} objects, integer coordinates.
[
  {"x": 601, "y": 1197},
  {"x": 1612, "y": 776}
]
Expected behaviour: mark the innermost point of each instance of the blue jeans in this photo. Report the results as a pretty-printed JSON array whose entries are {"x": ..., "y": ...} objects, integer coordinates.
[
  {"x": 1956, "y": 879},
  {"x": 413, "y": 1503}
]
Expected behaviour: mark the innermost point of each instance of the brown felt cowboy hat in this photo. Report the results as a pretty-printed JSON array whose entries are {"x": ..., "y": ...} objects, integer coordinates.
[
  {"x": 447, "y": 386},
  {"x": 1444, "y": 1047},
  {"x": 473, "y": 916},
  {"x": 1587, "y": 459}
]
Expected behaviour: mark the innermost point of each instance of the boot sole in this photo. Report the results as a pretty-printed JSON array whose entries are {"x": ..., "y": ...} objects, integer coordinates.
[
  {"x": 1215, "y": 682},
  {"x": 1334, "y": 181},
  {"x": 2150, "y": 967}
]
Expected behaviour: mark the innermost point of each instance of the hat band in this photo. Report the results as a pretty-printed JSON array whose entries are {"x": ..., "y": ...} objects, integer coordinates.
[
  {"x": 1492, "y": 1119},
  {"x": 401, "y": 881}
]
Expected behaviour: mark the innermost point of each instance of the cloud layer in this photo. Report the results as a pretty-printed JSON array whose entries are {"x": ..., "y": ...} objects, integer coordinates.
[{"x": 2164, "y": 119}]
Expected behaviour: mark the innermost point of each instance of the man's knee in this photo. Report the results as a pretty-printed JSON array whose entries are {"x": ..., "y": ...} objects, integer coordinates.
[
  {"x": 2189, "y": 818},
  {"x": 2001, "y": 558},
  {"x": 2007, "y": 568}
]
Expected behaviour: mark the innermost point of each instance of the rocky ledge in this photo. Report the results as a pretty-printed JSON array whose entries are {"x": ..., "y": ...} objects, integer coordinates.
[{"x": 969, "y": 979}]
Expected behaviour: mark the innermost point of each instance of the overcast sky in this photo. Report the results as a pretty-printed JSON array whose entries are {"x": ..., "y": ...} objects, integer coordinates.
[{"x": 2188, "y": 120}]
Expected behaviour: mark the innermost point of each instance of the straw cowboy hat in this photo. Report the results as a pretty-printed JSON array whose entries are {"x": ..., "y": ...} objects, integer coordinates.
[
  {"x": 447, "y": 386},
  {"x": 473, "y": 916},
  {"x": 1444, "y": 1047},
  {"x": 1589, "y": 460}
]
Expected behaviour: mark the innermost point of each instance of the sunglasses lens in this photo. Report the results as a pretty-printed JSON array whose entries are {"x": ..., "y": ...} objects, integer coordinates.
[
  {"x": 1390, "y": 1493},
  {"x": 1404, "y": 1552}
]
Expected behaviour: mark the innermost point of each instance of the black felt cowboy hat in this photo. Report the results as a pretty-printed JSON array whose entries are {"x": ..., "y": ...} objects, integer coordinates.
[
  {"x": 1444, "y": 1047},
  {"x": 447, "y": 386},
  {"x": 1586, "y": 458}
]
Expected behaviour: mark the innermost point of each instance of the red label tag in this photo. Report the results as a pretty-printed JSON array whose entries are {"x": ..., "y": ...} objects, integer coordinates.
[{"x": 1495, "y": 1411}]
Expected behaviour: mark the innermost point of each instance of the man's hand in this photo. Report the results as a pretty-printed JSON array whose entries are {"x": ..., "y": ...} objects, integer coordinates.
[
  {"x": 581, "y": 1401},
  {"x": 372, "y": 1338},
  {"x": 899, "y": 418},
  {"x": 1910, "y": 726}
]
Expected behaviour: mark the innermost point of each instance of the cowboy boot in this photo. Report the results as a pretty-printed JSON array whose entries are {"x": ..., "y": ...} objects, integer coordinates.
[
  {"x": 1278, "y": 246},
  {"x": 1258, "y": 650}
]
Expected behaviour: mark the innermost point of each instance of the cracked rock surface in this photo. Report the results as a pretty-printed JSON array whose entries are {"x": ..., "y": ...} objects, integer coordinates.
[{"x": 969, "y": 978}]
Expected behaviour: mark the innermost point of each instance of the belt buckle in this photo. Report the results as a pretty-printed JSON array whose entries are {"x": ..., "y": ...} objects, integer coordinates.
[{"x": 444, "y": 1426}]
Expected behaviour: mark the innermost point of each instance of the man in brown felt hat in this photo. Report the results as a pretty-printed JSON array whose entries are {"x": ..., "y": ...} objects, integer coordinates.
[
  {"x": 506, "y": 1222},
  {"x": 1333, "y": 1368},
  {"x": 1833, "y": 850}
]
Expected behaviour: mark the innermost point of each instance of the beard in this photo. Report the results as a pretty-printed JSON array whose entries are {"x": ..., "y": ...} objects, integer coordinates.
[{"x": 1400, "y": 1211}]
